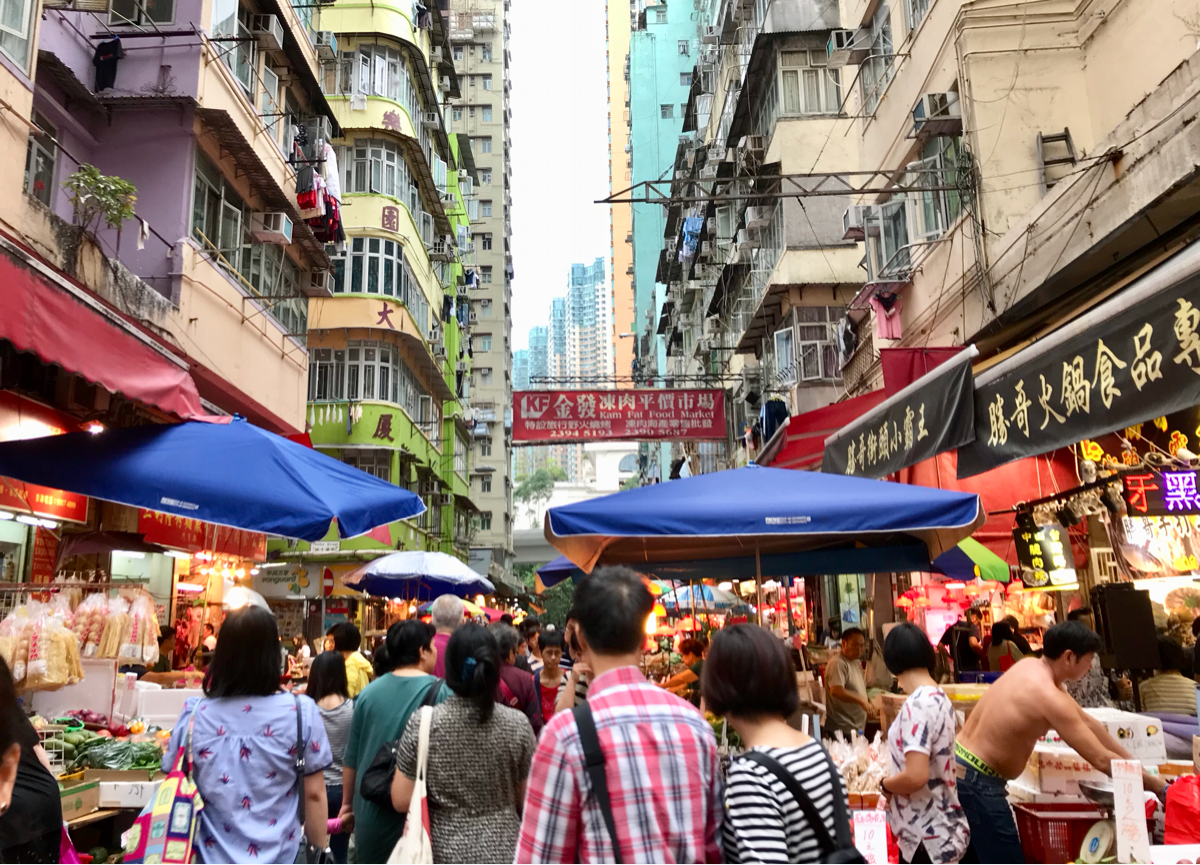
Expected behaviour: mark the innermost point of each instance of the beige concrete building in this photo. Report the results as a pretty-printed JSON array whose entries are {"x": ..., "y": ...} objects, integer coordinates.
[
  {"x": 479, "y": 38},
  {"x": 621, "y": 16}
]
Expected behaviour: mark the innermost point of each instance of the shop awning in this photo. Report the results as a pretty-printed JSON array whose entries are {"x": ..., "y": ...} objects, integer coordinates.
[
  {"x": 65, "y": 325},
  {"x": 1128, "y": 360},
  {"x": 933, "y": 414},
  {"x": 802, "y": 441}
]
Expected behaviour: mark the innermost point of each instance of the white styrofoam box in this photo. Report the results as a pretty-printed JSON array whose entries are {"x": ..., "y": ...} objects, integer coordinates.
[
  {"x": 126, "y": 794},
  {"x": 1019, "y": 791},
  {"x": 160, "y": 706},
  {"x": 94, "y": 691},
  {"x": 1140, "y": 735}
]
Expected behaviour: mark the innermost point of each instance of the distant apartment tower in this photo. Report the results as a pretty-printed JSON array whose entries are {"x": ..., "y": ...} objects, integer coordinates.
[
  {"x": 589, "y": 326},
  {"x": 479, "y": 34},
  {"x": 539, "y": 356}
]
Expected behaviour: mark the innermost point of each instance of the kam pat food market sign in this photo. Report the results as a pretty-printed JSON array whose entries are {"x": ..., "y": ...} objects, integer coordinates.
[{"x": 563, "y": 416}]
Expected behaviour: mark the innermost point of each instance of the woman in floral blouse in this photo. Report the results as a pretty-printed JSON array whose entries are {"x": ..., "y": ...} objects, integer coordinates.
[{"x": 923, "y": 807}]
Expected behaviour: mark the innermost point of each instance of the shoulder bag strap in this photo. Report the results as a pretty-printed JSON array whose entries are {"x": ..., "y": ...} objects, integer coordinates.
[
  {"x": 793, "y": 785},
  {"x": 432, "y": 694},
  {"x": 300, "y": 749},
  {"x": 191, "y": 726},
  {"x": 594, "y": 759}
]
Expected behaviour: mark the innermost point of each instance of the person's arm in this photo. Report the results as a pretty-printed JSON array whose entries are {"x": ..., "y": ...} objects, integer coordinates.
[
  {"x": 914, "y": 777},
  {"x": 849, "y": 696},
  {"x": 680, "y": 680},
  {"x": 316, "y": 810},
  {"x": 753, "y": 819},
  {"x": 552, "y": 818},
  {"x": 402, "y": 790},
  {"x": 976, "y": 646},
  {"x": 1105, "y": 737},
  {"x": 405, "y": 776},
  {"x": 1068, "y": 720},
  {"x": 350, "y": 770},
  {"x": 533, "y": 701}
]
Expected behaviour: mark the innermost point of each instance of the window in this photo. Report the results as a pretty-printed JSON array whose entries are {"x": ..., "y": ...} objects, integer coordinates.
[
  {"x": 375, "y": 461},
  {"x": 807, "y": 84},
  {"x": 935, "y": 212},
  {"x": 39, "y": 161},
  {"x": 785, "y": 356},
  {"x": 485, "y": 448},
  {"x": 685, "y": 79},
  {"x": 483, "y": 144},
  {"x": 666, "y": 111},
  {"x": 877, "y": 70},
  {"x": 660, "y": 15},
  {"x": 376, "y": 165},
  {"x": 486, "y": 50},
  {"x": 914, "y": 12},
  {"x": 373, "y": 70},
  {"x": 486, "y": 241},
  {"x": 683, "y": 47},
  {"x": 485, "y": 308},
  {"x": 816, "y": 355},
  {"x": 460, "y": 455},
  {"x": 326, "y": 374},
  {"x": 471, "y": 112},
  {"x": 485, "y": 342},
  {"x": 485, "y": 177},
  {"x": 270, "y": 106},
  {"x": 232, "y": 22},
  {"x": 366, "y": 370},
  {"x": 888, "y": 254},
  {"x": 375, "y": 265},
  {"x": 487, "y": 81},
  {"x": 217, "y": 214},
  {"x": 485, "y": 521},
  {"x": 124, "y": 12},
  {"x": 485, "y": 275},
  {"x": 485, "y": 209},
  {"x": 485, "y": 484},
  {"x": 487, "y": 113},
  {"x": 458, "y": 52},
  {"x": 457, "y": 114}
]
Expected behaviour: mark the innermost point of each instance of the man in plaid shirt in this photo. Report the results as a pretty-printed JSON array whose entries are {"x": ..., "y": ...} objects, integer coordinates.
[{"x": 664, "y": 780}]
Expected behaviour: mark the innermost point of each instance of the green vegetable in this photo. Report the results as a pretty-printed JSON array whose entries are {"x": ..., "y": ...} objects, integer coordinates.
[
  {"x": 98, "y": 854},
  {"x": 73, "y": 738},
  {"x": 116, "y": 754}
]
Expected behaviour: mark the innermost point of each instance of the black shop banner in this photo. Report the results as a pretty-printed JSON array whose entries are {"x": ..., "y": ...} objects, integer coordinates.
[
  {"x": 933, "y": 414},
  {"x": 1044, "y": 553},
  {"x": 1140, "y": 363}
]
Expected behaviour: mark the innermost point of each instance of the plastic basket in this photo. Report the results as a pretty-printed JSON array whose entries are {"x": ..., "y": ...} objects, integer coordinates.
[
  {"x": 978, "y": 677},
  {"x": 1054, "y": 833}
]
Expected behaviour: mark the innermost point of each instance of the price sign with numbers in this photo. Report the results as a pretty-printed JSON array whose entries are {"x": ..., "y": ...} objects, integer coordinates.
[
  {"x": 1129, "y": 800},
  {"x": 870, "y": 835}
]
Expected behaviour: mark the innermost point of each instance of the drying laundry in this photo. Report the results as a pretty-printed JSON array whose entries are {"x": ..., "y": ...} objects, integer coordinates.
[{"x": 887, "y": 306}]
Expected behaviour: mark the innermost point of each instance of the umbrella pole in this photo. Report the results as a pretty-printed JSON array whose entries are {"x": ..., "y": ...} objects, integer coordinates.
[{"x": 758, "y": 582}]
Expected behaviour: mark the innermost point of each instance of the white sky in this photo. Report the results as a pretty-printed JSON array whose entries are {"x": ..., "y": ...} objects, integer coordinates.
[{"x": 559, "y": 152}]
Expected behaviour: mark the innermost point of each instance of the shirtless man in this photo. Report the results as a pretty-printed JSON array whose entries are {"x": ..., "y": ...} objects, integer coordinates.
[{"x": 1002, "y": 730}]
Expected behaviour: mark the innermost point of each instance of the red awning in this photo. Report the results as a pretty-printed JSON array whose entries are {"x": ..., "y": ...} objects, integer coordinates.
[
  {"x": 804, "y": 437},
  {"x": 63, "y": 324}
]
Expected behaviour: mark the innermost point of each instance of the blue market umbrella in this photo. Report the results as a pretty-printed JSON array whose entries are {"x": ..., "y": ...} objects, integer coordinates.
[
  {"x": 232, "y": 473},
  {"x": 813, "y": 522},
  {"x": 699, "y": 597},
  {"x": 419, "y": 575},
  {"x": 557, "y": 571}
]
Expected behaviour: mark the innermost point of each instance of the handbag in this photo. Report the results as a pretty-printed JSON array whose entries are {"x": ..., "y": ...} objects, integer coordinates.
[
  {"x": 839, "y": 851},
  {"x": 416, "y": 844},
  {"x": 165, "y": 830},
  {"x": 375, "y": 785},
  {"x": 1007, "y": 660},
  {"x": 594, "y": 759},
  {"x": 307, "y": 852}
]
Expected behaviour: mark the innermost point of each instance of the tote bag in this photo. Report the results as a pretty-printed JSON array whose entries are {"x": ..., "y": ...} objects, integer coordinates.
[
  {"x": 415, "y": 846},
  {"x": 165, "y": 831}
]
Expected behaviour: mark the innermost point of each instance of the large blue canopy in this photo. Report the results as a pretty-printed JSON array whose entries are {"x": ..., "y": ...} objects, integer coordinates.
[
  {"x": 825, "y": 521},
  {"x": 234, "y": 474},
  {"x": 419, "y": 575}
]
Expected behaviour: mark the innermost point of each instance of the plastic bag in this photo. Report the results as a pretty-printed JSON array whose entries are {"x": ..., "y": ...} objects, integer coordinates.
[
  {"x": 139, "y": 638},
  {"x": 114, "y": 628},
  {"x": 1183, "y": 811},
  {"x": 88, "y": 626},
  {"x": 14, "y": 642},
  {"x": 53, "y": 658}
]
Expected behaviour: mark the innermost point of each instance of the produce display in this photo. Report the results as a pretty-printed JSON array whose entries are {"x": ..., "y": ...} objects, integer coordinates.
[
  {"x": 863, "y": 764},
  {"x": 117, "y": 628},
  {"x": 101, "y": 753},
  {"x": 38, "y": 647}
]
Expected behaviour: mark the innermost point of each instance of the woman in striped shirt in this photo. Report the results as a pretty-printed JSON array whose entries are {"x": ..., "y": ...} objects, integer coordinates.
[
  {"x": 1172, "y": 691},
  {"x": 749, "y": 678}
]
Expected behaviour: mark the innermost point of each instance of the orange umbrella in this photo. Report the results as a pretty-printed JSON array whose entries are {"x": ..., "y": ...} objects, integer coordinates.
[
  {"x": 664, "y": 631},
  {"x": 687, "y": 624}
]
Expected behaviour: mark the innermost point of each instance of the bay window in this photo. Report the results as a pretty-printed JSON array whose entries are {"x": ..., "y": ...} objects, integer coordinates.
[{"x": 375, "y": 265}]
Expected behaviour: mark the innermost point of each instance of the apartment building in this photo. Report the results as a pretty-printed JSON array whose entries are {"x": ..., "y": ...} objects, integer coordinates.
[
  {"x": 622, "y": 17},
  {"x": 479, "y": 44}
]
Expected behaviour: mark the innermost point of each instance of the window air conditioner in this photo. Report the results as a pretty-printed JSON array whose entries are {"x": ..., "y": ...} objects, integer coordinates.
[
  {"x": 268, "y": 31},
  {"x": 463, "y": 174},
  {"x": 316, "y": 283},
  {"x": 747, "y": 239},
  {"x": 848, "y": 47},
  {"x": 326, "y": 44},
  {"x": 710, "y": 225},
  {"x": 435, "y": 334},
  {"x": 271, "y": 227},
  {"x": 431, "y": 120},
  {"x": 758, "y": 217},
  {"x": 439, "y": 350},
  {"x": 435, "y": 54},
  {"x": 937, "y": 114},
  {"x": 444, "y": 84},
  {"x": 854, "y": 222},
  {"x": 754, "y": 145},
  {"x": 462, "y": 366},
  {"x": 712, "y": 324},
  {"x": 473, "y": 318},
  {"x": 711, "y": 36},
  {"x": 443, "y": 499},
  {"x": 429, "y": 488},
  {"x": 705, "y": 250},
  {"x": 708, "y": 172}
]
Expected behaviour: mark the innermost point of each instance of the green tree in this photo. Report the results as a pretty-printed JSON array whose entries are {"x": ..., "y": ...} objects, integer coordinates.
[
  {"x": 556, "y": 600},
  {"x": 95, "y": 196},
  {"x": 536, "y": 488}
]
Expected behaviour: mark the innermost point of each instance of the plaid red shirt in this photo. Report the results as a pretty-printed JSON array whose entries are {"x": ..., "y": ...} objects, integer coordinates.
[{"x": 664, "y": 780}]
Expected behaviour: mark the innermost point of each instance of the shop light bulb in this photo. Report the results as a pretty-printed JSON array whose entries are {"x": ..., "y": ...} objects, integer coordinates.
[
  {"x": 254, "y": 572},
  {"x": 956, "y": 587},
  {"x": 241, "y": 572},
  {"x": 226, "y": 573},
  {"x": 725, "y": 586},
  {"x": 94, "y": 427},
  {"x": 651, "y": 624},
  {"x": 28, "y": 520}
]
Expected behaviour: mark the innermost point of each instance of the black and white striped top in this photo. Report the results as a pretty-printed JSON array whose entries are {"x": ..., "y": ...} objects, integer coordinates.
[{"x": 763, "y": 822}]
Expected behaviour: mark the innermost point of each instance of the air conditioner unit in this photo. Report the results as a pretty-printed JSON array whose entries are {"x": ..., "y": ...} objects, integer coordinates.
[
  {"x": 747, "y": 239},
  {"x": 705, "y": 250},
  {"x": 937, "y": 114},
  {"x": 439, "y": 350},
  {"x": 326, "y": 44},
  {"x": 462, "y": 366},
  {"x": 755, "y": 145},
  {"x": 708, "y": 172},
  {"x": 711, "y": 36},
  {"x": 848, "y": 47},
  {"x": 710, "y": 225},
  {"x": 435, "y": 54},
  {"x": 443, "y": 500},
  {"x": 271, "y": 227},
  {"x": 444, "y": 84},
  {"x": 473, "y": 318},
  {"x": 672, "y": 245},
  {"x": 758, "y": 217},
  {"x": 447, "y": 198},
  {"x": 429, "y": 488},
  {"x": 435, "y": 334},
  {"x": 854, "y": 222},
  {"x": 431, "y": 120},
  {"x": 463, "y": 174},
  {"x": 712, "y": 324},
  {"x": 268, "y": 32},
  {"x": 316, "y": 283}
]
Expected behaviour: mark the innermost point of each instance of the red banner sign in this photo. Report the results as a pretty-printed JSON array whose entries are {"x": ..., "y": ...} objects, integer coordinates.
[
  {"x": 45, "y": 554},
  {"x": 195, "y": 535},
  {"x": 589, "y": 415}
]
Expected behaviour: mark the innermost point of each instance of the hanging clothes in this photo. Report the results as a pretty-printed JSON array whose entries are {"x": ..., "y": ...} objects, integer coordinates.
[
  {"x": 887, "y": 306},
  {"x": 691, "y": 237},
  {"x": 107, "y": 55},
  {"x": 846, "y": 338},
  {"x": 333, "y": 183},
  {"x": 773, "y": 414},
  {"x": 447, "y": 307}
]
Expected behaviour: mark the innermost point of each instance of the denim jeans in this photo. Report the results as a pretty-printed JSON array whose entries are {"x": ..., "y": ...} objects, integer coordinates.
[{"x": 994, "y": 835}]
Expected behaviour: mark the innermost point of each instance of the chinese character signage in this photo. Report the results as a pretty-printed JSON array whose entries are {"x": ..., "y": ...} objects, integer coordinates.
[
  {"x": 1136, "y": 362},
  {"x": 1161, "y": 494},
  {"x": 1044, "y": 553},
  {"x": 590, "y": 415},
  {"x": 45, "y": 555},
  {"x": 183, "y": 533},
  {"x": 933, "y": 414}
]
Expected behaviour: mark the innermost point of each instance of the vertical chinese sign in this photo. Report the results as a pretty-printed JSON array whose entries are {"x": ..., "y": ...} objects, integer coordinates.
[
  {"x": 592, "y": 415},
  {"x": 1044, "y": 553},
  {"x": 45, "y": 554}
]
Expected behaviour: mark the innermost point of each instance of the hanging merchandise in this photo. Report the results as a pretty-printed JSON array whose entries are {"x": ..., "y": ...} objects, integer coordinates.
[
  {"x": 333, "y": 183},
  {"x": 774, "y": 414},
  {"x": 887, "y": 306},
  {"x": 107, "y": 55}
]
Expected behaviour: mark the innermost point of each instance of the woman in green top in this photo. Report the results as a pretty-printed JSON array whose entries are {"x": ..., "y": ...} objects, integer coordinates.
[
  {"x": 687, "y": 682},
  {"x": 381, "y": 712}
]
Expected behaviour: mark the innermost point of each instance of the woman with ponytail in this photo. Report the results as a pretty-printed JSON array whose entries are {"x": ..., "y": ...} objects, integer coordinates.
[{"x": 479, "y": 754}]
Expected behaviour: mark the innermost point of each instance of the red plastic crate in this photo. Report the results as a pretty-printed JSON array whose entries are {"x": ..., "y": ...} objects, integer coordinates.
[{"x": 1054, "y": 832}]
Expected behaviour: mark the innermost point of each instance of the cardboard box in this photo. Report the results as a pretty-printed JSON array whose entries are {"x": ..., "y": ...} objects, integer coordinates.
[
  {"x": 131, "y": 775},
  {"x": 1141, "y": 735},
  {"x": 79, "y": 798},
  {"x": 127, "y": 794}
]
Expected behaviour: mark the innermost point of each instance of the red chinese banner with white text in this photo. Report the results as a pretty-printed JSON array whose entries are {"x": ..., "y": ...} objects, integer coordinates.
[
  {"x": 182, "y": 533},
  {"x": 592, "y": 415}
]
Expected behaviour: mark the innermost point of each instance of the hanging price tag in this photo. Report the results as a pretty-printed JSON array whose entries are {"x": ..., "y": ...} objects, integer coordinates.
[
  {"x": 1129, "y": 799},
  {"x": 870, "y": 836}
]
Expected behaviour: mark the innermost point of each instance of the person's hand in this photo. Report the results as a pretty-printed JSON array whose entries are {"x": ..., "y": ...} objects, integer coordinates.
[
  {"x": 580, "y": 670},
  {"x": 346, "y": 815}
]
